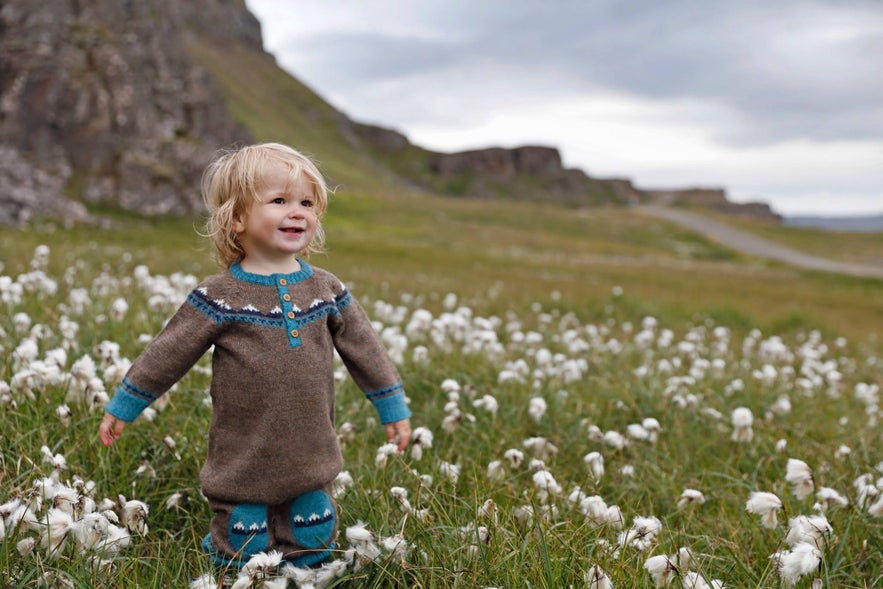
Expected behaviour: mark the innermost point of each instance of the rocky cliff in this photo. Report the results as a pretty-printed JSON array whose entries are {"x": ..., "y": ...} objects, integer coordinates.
[
  {"x": 710, "y": 198},
  {"x": 522, "y": 172},
  {"x": 100, "y": 102}
]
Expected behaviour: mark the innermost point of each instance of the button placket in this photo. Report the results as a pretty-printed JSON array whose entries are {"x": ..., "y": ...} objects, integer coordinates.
[{"x": 292, "y": 325}]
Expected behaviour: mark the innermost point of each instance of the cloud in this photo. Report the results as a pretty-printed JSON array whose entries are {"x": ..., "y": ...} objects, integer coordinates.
[
  {"x": 365, "y": 58},
  {"x": 787, "y": 69}
]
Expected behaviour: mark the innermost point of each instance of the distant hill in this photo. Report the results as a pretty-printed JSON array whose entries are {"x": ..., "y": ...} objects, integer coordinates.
[{"x": 869, "y": 223}]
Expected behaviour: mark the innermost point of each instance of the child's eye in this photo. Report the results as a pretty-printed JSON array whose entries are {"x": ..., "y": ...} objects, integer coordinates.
[
  {"x": 278, "y": 201},
  {"x": 306, "y": 203}
]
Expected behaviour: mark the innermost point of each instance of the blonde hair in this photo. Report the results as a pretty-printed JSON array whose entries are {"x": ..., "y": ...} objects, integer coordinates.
[{"x": 230, "y": 184}]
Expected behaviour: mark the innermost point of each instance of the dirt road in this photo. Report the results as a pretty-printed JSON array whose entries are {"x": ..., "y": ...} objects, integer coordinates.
[{"x": 756, "y": 246}]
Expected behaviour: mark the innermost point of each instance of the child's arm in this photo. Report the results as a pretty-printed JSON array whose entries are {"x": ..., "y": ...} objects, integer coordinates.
[
  {"x": 373, "y": 371},
  {"x": 111, "y": 429},
  {"x": 401, "y": 430},
  {"x": 174, "y": 350}
]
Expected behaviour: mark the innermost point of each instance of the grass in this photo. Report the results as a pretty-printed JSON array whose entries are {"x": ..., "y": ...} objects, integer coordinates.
[{"x": 540, "y": 270}]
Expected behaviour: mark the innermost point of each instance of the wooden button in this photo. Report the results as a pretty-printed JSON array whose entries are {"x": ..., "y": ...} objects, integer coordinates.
[
  {"x": 286, "y": 297},
  {"x": 291, "y": 314},
  {"x": 283, "y": 282},
  {"x": 294, "y": 333}
]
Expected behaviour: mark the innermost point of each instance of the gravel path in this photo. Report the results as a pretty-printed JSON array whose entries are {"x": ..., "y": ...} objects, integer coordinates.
[{"x": 756, "y": 246}]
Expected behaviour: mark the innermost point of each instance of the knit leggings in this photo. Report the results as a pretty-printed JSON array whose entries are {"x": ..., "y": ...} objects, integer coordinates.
[{"x": 302, "y": 529}]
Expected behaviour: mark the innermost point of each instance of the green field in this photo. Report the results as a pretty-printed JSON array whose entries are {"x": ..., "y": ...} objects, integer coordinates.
[{"x": 556, "y": 288}]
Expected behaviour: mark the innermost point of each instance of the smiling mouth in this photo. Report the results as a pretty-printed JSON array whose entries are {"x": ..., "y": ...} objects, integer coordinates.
[{"x": 294, "y": 230}]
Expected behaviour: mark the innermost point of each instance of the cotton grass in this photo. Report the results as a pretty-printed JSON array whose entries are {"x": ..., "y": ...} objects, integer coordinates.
[{"x": 548, "y": 446}]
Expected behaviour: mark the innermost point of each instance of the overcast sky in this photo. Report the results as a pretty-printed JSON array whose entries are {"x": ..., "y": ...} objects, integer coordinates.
[{"x": 780, "y": 101}]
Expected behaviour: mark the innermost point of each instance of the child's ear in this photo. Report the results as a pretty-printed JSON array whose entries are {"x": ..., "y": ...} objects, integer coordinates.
[{"x": 238, "y": 225}]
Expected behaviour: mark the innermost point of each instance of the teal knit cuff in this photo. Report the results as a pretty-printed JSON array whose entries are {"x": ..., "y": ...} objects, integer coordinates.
[
  {"x": 127, "y": 406},
  {"x": 392, "y": 409}
]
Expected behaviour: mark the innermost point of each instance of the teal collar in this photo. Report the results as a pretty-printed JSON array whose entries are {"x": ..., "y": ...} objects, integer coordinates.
[{"x": 269, "y": 280}]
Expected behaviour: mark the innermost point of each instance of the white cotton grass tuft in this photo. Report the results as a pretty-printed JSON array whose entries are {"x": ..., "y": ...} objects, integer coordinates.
[
  {"x": 642, "y": 534},
  {"x": 767, "y": 505},
  {"x": 90, "y": 531},
  {"x": 318, "y": 578},
  {"x": 595, "y": 463},
  {"x": 691, "y": 497},
  {"x": 615, "y": 440},
  {"x": 175, "y": 500},
  {"x": 799, "y": 476},
  {"x": 26, "y": 546},
  {"x": 742, "y": 420},
  {"x": 664, "y": 569},
  {"x": 342, "y": 482},
  {"x": 449, "y": 385},
  {"x": 64, "y": 414},
  {"x": 359, "y": 533},
  {"x": 134, "y": 515},
  {"x": 514, "y": 456},
  {"x": 421, "y": 439},
  {"x": 597, "y": 512},
  {"x": 694, "y": 580},
  {"x": 636, "y": 431},
  {"x": 57, "y": 461},
  {"x": 364, "y": 549},
  {"x": 58, "y": 525},
  {"x": 396, "y": 546},
  {"x": 496, "y": 471},
  {"x": 400, "y": 494},
  {"x": 487, "y": 403},
  {"x": 449, "y": 471},
  {"x": 487, "y": 511},
  {"x": 21, "y": 518},
  {"x": 876, "y": 509},
  {"x": 546, "y": 485},
  {"x": 537, "y": 408},
  {"x": 653, "y": 428},
  {"x": 206, "y": 581},
  {"x": 263, "y": 562},
  {"x": 866, "y": 491},
  {"x": 809, "y": 529},
  {"x": 540, "y": 447},
  {"x": 383, "y": 454},
  {"x": 660, "y": 569},
  {"x": 596, "y": 578},
  {"x": 828, "y": 498},
  {"x": 803, "y": 559},
  {"x": 346, "y": 432}
]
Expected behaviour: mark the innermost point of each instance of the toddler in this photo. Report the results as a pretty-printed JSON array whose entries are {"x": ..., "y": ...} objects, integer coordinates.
[{"x": 274, "y": 322}]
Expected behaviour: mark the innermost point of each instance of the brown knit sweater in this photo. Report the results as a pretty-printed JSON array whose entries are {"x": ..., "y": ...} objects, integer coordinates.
[{"x": 272, "y": 434}]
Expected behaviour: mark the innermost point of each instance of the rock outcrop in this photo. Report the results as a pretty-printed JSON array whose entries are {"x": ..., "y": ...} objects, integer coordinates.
[
  {"x": 711, "y": 198},
  {"x": 497, "y": 162},
  {"x": 100, "y": 100},
  {"x": 523, "y": 172},
  {"x": 526, "y": 172},
  {"x": 26, "y": 191}
]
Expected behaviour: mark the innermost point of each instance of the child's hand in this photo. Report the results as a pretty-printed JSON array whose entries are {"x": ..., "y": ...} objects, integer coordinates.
[
  {"x": 400, "y": 429},
  {"x": 110, "y": 429}
]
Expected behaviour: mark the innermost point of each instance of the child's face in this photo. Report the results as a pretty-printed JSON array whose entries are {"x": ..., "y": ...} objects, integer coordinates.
[{"x": 281, "y": 222}]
